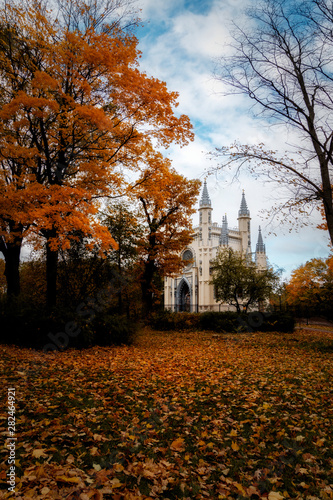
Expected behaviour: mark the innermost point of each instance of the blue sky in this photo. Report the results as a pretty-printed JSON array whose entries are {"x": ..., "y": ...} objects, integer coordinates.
[{"x": 180, "y": 43}]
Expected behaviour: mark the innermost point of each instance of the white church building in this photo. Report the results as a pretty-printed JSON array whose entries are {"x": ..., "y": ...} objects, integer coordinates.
[{"x": 192, "y": 290}]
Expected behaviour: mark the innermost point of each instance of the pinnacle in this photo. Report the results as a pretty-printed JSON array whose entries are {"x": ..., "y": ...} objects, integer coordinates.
[
  {"x": 243, "y": 208},
  {"x": 205, "y": 200}
]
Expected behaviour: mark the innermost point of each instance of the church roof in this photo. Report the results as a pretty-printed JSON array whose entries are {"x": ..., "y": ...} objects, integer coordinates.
[
  {"x": 260, "y": 248},
  {"x": 205, "y": 200},
  {"x": 243, "y": 208}
]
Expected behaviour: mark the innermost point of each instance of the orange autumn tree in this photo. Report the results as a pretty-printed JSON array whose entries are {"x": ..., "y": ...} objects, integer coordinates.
[
  {"x": 311, "y": 285},
  {"x": 167, "y": 202},
  {"x": 78, "y": 110}
]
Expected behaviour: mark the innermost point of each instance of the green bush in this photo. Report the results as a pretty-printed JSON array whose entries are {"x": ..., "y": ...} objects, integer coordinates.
[
  {"x": 62, "y": 329},
  {"x": 166, "y": 321},
  {"x": 31, "y": 327},
  {"x": 281, "y": 322},
  {"x": 222, "y": 322},
  {"x": 219, "y": 321},
  {"x": 109, "y": 329}
]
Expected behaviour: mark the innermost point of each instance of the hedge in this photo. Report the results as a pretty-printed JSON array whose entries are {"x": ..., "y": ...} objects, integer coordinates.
[
  {"x": 222, "y": 322},
  {"x": 64, "y": 329}
]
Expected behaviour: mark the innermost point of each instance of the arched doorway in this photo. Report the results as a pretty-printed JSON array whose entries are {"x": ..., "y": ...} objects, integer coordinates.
[{"x": 184, "y": 297}]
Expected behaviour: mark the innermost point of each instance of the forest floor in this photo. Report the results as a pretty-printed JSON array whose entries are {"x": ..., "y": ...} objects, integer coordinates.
[{"x": 175, "y": 415}]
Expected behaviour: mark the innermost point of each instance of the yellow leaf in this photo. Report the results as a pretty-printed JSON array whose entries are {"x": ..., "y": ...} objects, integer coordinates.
[
  {"x": 118, "y": 467},
  {"x": 97, "y": 467},
  {"x": 234, "y": 446},
  {"x": 66, "y": 479},
  {"x": 240, "y": 488},
  {"x": 45, "y": 490},
  {"x": 116, "y": 483},
  {"x": 178, "y": 445}
]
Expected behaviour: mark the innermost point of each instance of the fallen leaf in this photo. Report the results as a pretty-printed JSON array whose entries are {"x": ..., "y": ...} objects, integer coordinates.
[
  {"x": 39, "y": 452},
  {"x": 275, "y": 495},
  {"x": 178, "y": 444}
]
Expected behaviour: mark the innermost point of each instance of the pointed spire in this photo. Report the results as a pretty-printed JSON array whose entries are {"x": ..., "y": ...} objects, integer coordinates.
[
  {"x": 224, "y": 238},
  {"x": 205, "y": 200},
  {"x": 260, "y": 248},
  {"x": 243, "y": 208}
]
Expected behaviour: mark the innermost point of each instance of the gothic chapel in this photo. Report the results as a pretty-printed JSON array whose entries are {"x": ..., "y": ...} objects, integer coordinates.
[{"x": 191, "y": 290}]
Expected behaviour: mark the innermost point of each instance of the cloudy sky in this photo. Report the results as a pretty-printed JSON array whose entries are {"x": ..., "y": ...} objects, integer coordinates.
[{"x": 180, "y": 43}]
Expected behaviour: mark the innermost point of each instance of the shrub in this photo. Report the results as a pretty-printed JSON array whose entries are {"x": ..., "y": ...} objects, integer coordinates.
[
  {"x": 219, "y": 321},
  {"x": 165, "y": 320},
  {"x": 39, "y": 329},
  {"x": 222, "y": 321},
  {"x": 281, "y": 322},
  {"x": 109, "y": 329}
]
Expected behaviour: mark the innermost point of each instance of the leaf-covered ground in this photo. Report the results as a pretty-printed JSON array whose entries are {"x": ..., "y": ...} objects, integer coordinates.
[{"x": 174, "y": 416}]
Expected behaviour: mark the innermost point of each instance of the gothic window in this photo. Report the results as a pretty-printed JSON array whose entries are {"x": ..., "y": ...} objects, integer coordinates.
[
  {"x": 209, "y": 217},
  {"x": 200, "y": 216}
]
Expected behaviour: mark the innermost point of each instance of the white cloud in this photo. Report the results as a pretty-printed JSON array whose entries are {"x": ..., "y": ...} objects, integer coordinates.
[{"x": 179, "y": 46}]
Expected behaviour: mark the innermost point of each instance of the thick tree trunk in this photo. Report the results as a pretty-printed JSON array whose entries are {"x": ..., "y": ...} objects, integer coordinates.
[
  {"x": 51, "y": 274},
  {"x": 329, "y": 220},
  {"x": 12, "y": 252},
  {"x": 12, "y": 266}
]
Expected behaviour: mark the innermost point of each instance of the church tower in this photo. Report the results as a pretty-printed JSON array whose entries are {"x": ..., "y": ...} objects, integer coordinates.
[
  {"x": 244, "y": 226},
  {"x": 261, "y": 260},
  {"x": 205, "y": 216}
]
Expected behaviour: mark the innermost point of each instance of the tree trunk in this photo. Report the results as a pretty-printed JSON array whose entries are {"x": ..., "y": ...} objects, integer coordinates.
[
  {"x": 147, "y": 295},
  {"x": 120, "y": 296},
  {"x": 12, "y": 264},
  {"x": 329, "y": 220},
  {"x": 12, "y": 252},
  {"x": 51, "y": 273},
  {"x": 237, "y": 305}
]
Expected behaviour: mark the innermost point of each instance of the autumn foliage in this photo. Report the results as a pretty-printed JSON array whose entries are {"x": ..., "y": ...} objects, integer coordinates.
[
  {"x": 174, "y": 416},
  {"x": 166, "y": 205},
  {"x": 76, "y": 113},
  {"x": 311, "y": 286}
]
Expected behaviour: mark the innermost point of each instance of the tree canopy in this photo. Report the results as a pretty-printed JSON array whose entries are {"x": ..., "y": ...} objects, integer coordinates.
[
  {"x": 238, "y": 282},
  {"x": 76, "y": 112},
  {"x": 283, "y": 62},
  {"x": 311, "y": 285}
]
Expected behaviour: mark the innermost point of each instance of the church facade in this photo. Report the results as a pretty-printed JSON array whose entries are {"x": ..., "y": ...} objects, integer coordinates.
[{"x": 192, "y": 291}]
